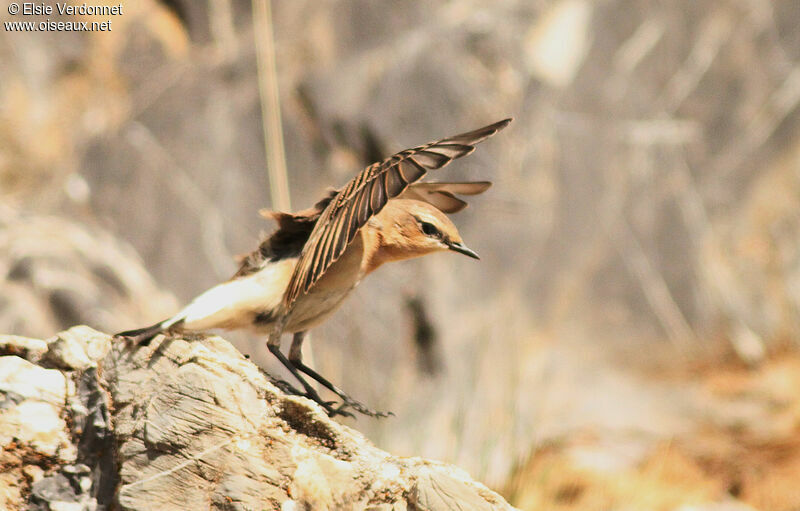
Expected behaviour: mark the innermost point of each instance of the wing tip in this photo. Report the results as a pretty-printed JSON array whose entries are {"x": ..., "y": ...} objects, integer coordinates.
[
  {"x": 499, "y": 125},
  {"x": 477, "y": 136},
  {"x": 482, "y": 187}
]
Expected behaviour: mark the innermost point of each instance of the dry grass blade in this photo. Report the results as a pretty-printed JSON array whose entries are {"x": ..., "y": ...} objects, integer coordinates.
[{"x": 270, "y": 105}]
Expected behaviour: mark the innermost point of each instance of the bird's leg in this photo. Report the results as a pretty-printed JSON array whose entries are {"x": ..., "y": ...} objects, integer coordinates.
[
  {"x": 274, "y": 346},
  {"x": 296, "y": 359}
]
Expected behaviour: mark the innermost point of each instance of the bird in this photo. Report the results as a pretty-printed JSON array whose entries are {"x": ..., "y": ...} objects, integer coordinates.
[{"x": 302, "y": 272}]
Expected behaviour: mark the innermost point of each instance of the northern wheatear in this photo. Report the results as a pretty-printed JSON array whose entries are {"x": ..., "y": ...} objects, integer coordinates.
[{"x": 301, "y": 273}]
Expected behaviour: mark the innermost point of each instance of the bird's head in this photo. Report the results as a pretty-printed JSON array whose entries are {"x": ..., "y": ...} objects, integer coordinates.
[{"x": 412, "y": 228}]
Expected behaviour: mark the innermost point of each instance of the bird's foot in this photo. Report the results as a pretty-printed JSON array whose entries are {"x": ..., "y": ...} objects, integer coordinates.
[
  {"x": 329, "y": 406},
  {"x": 348, "y": 402},
  {"x": 332, "y": 408},
  {"x": 285, "y": 386},
  {"x": 342, "y": 409}
]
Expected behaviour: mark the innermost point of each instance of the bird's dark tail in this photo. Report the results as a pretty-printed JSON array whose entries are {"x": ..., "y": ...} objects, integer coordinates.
[{"x": 143, "y": 336}]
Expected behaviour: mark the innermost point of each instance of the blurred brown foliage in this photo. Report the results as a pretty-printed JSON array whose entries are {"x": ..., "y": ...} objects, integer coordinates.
[{"x": 644, "y": 217}]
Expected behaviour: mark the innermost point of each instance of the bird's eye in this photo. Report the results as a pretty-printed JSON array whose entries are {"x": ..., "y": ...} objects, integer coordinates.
[{"x": 429, "y": 229}]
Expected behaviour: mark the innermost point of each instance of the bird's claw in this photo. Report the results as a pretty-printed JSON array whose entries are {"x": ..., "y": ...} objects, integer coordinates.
[
  {"x": 341, "y": 410},
  {"x": 348, "y": 402},
  {"x": 331, "y": 407},
  {"x": 286, "y": 387}
]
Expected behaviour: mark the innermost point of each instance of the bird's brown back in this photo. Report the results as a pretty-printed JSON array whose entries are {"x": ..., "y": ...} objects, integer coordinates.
[{"x": 287, "y": 240}]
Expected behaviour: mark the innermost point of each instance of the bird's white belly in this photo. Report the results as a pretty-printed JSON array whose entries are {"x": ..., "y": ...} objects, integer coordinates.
[
  {"x": 235, "y": 304},
  {"x": 314, "y": 308},
  {"x": 255, "y": 302}
]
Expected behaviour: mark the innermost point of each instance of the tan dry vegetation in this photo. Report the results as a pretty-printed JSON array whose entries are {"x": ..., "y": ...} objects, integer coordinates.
[
  {"x": 747, "y": 451},
  {"x": 664, "y": 481}
]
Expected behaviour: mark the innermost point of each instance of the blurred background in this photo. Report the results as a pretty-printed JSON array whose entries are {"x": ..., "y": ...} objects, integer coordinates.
[{"x": 629, "y": 339}]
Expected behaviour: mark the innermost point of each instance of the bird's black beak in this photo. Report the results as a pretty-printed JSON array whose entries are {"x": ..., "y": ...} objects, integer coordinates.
[{"x": 461, "y": 248}]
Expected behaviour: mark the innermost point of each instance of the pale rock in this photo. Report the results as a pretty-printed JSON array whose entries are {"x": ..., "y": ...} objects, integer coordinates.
[
  {"x": 27, "y": 348},
  {"x": 31, "y": 381},
  {"x": 34, "y": 473},
  {"x": 77, "y": 348},
  {"x": 37, "y": 424},
  {"x": 198, "y": 422},
  {"x": 67, "y": 506},
  {"x": 195, "y": 426}
]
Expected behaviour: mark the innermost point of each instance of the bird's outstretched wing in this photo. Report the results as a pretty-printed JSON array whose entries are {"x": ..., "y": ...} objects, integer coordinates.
[
  {"x": 442, "y": 195},
  {"x": 365, "y": 195}
]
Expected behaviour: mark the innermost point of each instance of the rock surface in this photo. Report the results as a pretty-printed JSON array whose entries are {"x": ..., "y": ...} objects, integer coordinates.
[{"x": 189, "y": 424}]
